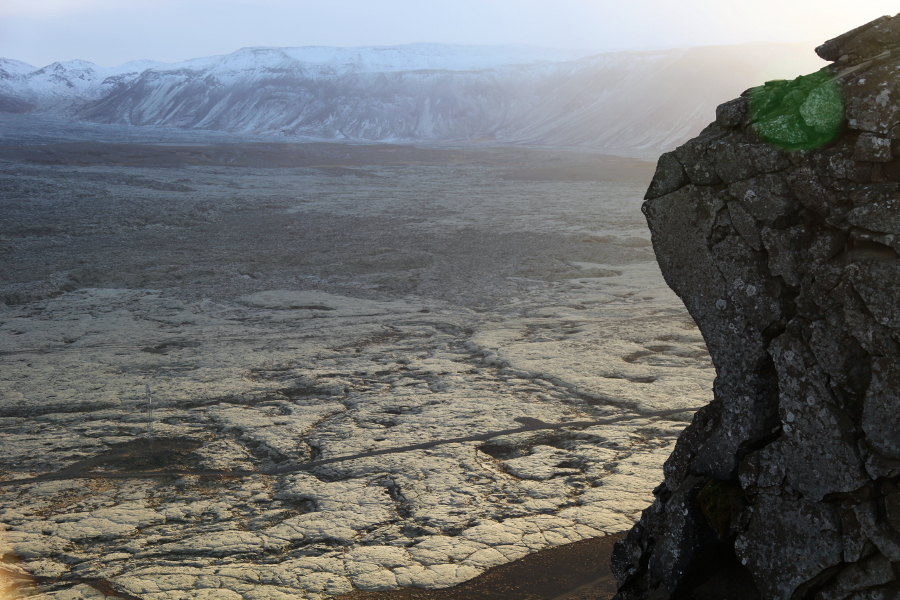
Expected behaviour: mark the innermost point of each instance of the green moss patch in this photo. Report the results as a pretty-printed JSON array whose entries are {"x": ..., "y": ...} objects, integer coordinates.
[{"x": 801, "y": 114}]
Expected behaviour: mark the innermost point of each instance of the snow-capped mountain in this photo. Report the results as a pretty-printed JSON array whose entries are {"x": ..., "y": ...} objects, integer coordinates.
[
  {"x": 64, "y": 87},
  {"x": 13, "y": 68},
  {"x": 417, "y": 92},
  {"x": 329, "y": 60}
]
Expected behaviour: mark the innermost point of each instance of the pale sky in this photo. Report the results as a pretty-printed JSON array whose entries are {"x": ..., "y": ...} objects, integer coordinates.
[{"x": 110, "y": 32}]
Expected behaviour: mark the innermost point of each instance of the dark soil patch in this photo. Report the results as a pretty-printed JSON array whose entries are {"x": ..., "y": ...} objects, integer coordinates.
[
  {"x": 576, "y": 571},
  {"x": 140, "y": 455}
]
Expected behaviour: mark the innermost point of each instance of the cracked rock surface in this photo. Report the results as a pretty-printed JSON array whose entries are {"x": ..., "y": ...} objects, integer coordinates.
[
  {"x": 787, "y": 255},
  {"x": 280, "y": 316}
]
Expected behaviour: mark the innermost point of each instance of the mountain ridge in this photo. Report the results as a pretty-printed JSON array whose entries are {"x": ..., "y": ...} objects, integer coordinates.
[{"x": 419, "y": 92}]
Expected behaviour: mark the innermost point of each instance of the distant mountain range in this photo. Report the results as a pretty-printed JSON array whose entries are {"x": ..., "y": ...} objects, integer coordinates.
[{"x": 649, "y": 100}]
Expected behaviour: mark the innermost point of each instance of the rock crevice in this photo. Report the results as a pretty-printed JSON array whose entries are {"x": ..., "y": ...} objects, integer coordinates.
[{"x": 779, "y": 228}]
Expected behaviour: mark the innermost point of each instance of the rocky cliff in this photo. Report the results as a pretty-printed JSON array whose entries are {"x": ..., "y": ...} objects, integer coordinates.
[{"x": 779, "y": 227}]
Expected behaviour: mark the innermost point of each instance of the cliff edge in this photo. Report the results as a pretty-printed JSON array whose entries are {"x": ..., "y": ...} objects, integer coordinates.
[{"x": 779, "y": 227}]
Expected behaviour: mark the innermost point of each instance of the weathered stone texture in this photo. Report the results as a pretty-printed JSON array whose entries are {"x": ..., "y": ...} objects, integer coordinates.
[
  {"x": 732, "y": 113},
  {"x": 669, "y": 176},
  {"x": 791, "y": 541},
  {"x": 789, "y": 262}
]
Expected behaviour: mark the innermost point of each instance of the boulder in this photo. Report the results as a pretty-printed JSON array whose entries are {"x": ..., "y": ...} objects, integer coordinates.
[{"x": 779, "y": 228}]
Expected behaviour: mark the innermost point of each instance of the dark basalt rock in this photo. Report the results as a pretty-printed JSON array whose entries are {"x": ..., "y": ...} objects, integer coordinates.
[{"x": 779, "y": 228}]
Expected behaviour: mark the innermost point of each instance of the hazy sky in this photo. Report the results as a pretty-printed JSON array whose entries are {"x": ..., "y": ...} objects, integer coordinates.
[{"x": 110, "y": 32}]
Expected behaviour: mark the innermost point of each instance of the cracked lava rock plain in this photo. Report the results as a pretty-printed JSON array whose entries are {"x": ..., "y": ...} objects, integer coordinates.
[{"x": 370, "y": 297}]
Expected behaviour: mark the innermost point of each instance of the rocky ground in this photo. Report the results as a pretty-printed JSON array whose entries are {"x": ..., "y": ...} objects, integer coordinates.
[{"x": 323, "y": 301}]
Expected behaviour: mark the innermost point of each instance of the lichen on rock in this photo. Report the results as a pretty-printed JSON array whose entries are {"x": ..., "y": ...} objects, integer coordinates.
[{"x": 778, "y": 228}]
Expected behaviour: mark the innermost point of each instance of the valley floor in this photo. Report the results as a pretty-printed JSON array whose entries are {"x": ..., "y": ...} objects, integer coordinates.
[{"x": 288, "y": 303}]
